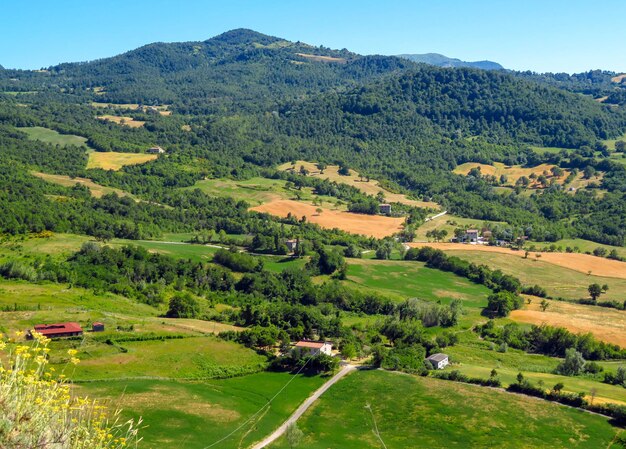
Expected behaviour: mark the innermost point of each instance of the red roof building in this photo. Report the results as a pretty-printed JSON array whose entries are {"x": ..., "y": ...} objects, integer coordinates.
[{"x": 59, "y": 330}]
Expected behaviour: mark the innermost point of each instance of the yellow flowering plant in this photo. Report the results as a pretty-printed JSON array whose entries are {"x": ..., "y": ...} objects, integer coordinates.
[{"x": 37, "y": 408}]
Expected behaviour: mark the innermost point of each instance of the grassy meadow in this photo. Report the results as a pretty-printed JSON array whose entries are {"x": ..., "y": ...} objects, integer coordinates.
[
  {"x": 370, "y": 187},
  {"x": 412, "y": 412},
  {"x": 258, "y": 190},
  {"x": 193, "y": 415},
  {"x": 96, "y": 190},
  {"x": 449, "y": 223},
  {"x": 53, "y": 137},
  {"x": 413, "y": 279}
]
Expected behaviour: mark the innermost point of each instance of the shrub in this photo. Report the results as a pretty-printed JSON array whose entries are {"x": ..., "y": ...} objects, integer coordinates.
[
  {"x": 183, "y": 305},
  {"x": 502, "y": 303},
  {"x": 38, "y": 410}
]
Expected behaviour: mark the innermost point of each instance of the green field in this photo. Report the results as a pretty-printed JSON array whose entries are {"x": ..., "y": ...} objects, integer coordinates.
[
  {"x": 257, "y": 190},
  {"x": 53, "y": 137},
  {"x": 417, "y": 412},
  {"x": 449, "y": 223},
  {"x": 584, "y": 245},
  {"x": 193, "y": 415},
  {"x": 558, "y": 281},
  {"x": 192, "y": 357},
  {"x": 541, "y": 150},
  {"x": 414, "y": 280},
  {"x": 478, "y": 360},
  {"x": 611, "y": 142}
]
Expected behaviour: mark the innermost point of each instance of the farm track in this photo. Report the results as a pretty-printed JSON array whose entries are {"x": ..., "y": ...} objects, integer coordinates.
[{"x": 304, "y": 407}]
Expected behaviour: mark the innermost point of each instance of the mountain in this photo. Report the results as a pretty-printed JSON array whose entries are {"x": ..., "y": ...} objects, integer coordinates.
[
  {"x": 443, "y": 61},
  {"x": 239, "y": 69}
]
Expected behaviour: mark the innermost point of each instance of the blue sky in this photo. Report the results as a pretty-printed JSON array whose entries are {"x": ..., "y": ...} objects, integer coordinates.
[{"x": 546, "y": 35}]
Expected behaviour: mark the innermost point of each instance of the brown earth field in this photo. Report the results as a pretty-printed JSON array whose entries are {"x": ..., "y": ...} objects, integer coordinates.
[
  {"x": 618, "y": 78},
  {"x": 583, "y": 263},
  {"x": 371, "y": 187},
  {"x": 371, "y": 225},
  {"x": 608, "y": 325}
]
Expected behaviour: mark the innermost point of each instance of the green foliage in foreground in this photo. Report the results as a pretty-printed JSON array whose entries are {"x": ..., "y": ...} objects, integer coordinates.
[{"x": 425, "y": 412}]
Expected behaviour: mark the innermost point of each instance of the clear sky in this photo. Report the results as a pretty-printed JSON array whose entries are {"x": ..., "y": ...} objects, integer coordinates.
[{"x": 540, "y": 35}]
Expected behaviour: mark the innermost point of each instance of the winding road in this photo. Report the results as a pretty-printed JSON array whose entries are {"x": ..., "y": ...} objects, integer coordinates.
[{"x": 304, "y": 407}]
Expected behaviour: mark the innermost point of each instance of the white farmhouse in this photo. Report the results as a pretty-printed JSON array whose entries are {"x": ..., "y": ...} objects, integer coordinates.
[
  {"x": 439, "y": 360},
  {"x": 315, "y": 347}
]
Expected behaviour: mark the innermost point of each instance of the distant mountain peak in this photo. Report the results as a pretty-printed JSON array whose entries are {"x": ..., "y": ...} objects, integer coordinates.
[
  {"x": 240, "y": 36},
  {"x": 440, "y": 60}
]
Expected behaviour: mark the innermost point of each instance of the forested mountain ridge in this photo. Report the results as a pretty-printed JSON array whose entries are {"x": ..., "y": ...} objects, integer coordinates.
[
  {"x": 462, "y": 103},
  {"x": 439, "y": 60},
  {"x": 243, "y": 102},
  {"x": 239, "y": 69}
]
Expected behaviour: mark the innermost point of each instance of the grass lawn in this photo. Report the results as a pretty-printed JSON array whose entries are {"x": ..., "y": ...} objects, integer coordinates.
[
  {"x": 416, "y": 412},
  {"x": 413, "y": 280},
  {"x": 558, "y": 281},
  {"x": 193, "y": 415},
  {"x": 51, "y": 136}
]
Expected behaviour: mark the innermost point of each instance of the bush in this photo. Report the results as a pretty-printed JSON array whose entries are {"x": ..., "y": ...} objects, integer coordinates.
[
  {"x": 39, "y": 411},
  {"x": 183, "y": 305},
  {"x": 502, "y": 303}
]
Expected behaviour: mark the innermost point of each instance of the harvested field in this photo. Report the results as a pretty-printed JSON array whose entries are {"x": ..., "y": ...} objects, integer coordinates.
[
  {"x": 161, "y": 109},
  {"x": 583, "y": 263},
  {"x": 371, "y": 187},
  {"x": 96, "y": 189},
  {"x": 618, "y": 78},
  {"x": 114, "y": 161},
  {"x": 319, "y": 58},
  {"x": 606, "y": 324},
  {"x": 513, "y": 173},
  {"x": 370, "y": 225},
  {"x": 125, "y": 121}
]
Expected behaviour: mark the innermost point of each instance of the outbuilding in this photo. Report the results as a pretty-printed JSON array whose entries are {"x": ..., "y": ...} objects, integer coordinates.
[{"x": 97, "y": 326}]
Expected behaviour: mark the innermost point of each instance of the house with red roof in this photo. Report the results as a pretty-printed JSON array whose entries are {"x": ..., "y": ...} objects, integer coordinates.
[{"x": 59, "y": 330}]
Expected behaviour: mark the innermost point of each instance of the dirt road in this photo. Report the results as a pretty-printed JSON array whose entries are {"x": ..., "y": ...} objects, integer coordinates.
[{"x": 304, "y": 407}]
